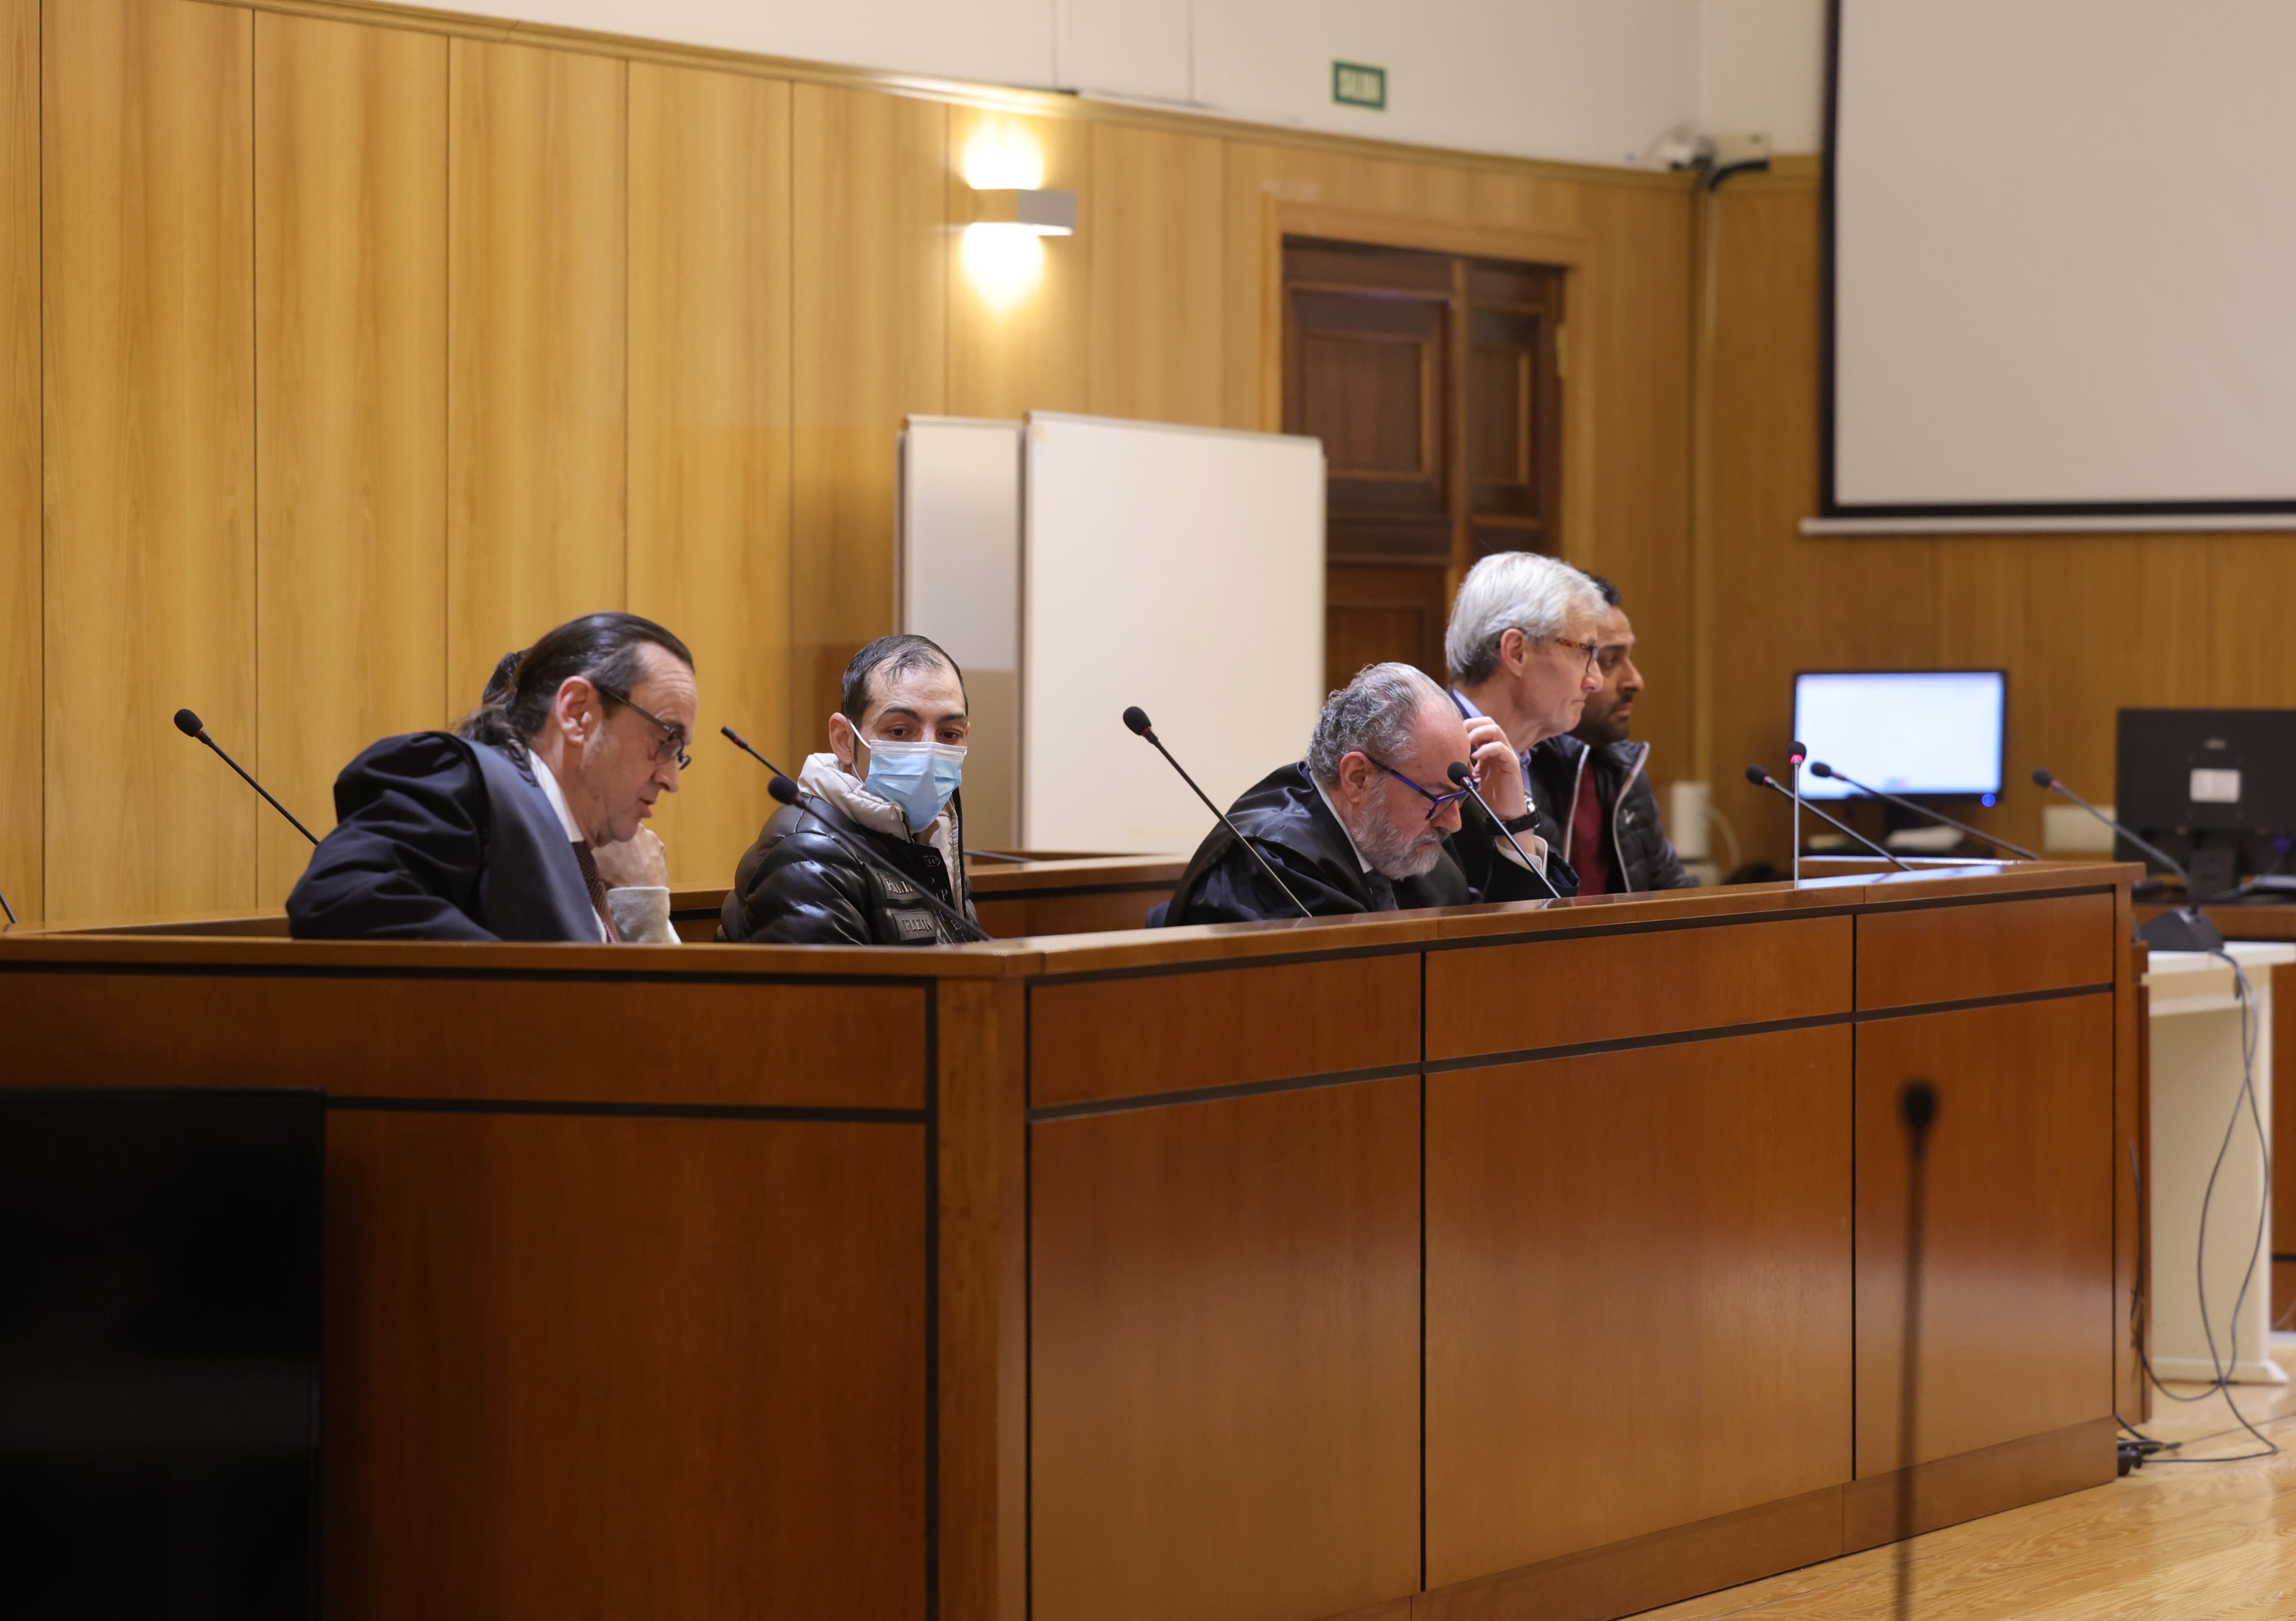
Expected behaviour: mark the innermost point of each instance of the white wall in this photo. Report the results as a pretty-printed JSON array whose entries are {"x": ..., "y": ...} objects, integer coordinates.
[
  {"x": 1762, "y": 71},
  {"x": 1589, "y": 80}
]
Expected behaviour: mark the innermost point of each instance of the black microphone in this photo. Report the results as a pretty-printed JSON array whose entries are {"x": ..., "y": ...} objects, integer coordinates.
[
  {"x": 1762, "y": 779},
  {"x": 789, "y": 793},
  {"x": 189, "y": 725},
  {"x": 1458, "y": 773},
  {"x": 2186, "y": 928},
  {"x": 1819, "y": 767},
  {"x": 1917, "y": 1108},
  {"x": 785, "y": 791},
  {"x": 1136, "y": 722},
  {"x": 1796, "y": 753},
  {"x": 11, "y": 910}
]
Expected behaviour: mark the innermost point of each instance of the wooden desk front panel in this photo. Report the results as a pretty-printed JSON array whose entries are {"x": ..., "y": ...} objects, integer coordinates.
[
  {"x": 1225, "y": 1357},
  {"x": 1638, "y": 1293},
  {"x": 1141, "y": 1035},
  {"x": 619, "y": 1036},
  {"x": 2017, "y": 1308},
  {"x": 1996, "y": 948},
  {"x": 604, "y": 1366},
  {"x": 1616, "y": 987}
]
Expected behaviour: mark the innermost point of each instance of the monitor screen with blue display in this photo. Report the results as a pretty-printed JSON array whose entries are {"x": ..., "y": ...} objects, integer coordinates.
[{"x": 1928, "y": 731}]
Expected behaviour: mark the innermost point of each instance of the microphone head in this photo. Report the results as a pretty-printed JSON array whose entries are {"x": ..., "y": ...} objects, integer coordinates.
[
  {"x": 731, "y": 735},
  {"x": 188, "y": 723},
  {"x": 1918, "y": 1105},
  {"x": 1136, "y": 722},
  {"x": 1757, "y": 775},
  {"x": 782, "y": 789},
  {"x": 1796, "y": 753},
  {"x": 2044, "y": 779},
  {"x": 1819, "y": 767},
  {"x": 1457, "y": 772}
]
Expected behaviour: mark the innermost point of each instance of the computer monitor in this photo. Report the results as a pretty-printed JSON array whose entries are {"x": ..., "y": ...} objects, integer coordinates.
[
  {"x": 1935, "y": 732},
  {"x": 2215, "y": 788},
  {"x": 160, "y": 1329}
]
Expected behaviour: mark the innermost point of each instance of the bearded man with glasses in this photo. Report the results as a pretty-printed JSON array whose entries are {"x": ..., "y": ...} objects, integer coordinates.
[
  {"x": 491, "y": 832},
  {"x": 1371, "y": 821}
]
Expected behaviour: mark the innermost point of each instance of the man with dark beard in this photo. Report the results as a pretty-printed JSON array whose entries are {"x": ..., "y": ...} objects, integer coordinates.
[
  {"x": 1370, "y": 821},
  {"x": 1593, "y": 780}
]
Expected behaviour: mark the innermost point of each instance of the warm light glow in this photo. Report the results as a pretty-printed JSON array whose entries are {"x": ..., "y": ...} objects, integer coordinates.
[
  {"x": 1003, "y": 262},
  {"x": 1001, "y": 156}
]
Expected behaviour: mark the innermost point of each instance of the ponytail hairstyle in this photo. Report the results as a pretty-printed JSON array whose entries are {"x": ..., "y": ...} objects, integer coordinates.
[{"x": 605, "y": 649}]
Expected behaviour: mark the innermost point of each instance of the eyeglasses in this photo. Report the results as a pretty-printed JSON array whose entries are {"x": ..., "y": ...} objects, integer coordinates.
[
  {"x": 1592, "y": 650},
  {"x": 1435, "y": 801},
  {"x": 673, "y": 739}
]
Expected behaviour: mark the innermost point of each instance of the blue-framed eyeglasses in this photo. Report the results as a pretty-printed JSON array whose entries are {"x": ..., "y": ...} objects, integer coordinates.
[{"x": 1435, "y": 801}]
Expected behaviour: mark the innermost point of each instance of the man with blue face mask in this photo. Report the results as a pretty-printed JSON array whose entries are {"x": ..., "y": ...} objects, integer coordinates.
[{"x": 890, "y": 783}]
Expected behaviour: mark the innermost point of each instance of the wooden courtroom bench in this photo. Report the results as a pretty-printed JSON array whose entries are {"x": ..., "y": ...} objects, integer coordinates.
[{"x": 1527, "y": 1260}]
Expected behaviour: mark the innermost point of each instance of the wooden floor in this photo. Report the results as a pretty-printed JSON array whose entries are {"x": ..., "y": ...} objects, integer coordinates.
[{"x": 2168, "y": 1542}]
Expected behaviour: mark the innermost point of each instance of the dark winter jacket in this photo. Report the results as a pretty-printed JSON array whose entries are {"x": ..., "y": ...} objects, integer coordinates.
[
  {"x": 797, "y": 886},
  {"x": 1640, "y": 857}
]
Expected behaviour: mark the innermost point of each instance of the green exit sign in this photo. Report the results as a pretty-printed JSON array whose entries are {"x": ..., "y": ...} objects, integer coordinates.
[{"x": 1354, "y": 84}]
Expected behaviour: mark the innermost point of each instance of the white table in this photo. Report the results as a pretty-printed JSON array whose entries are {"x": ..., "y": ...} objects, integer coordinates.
[{"x": 2196, "y": 1070}]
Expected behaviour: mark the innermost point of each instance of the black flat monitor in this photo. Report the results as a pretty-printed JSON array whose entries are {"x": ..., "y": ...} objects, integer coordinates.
[
  {"x": 2215, "y": 788},
  {"x": 1935, "y": 733},
  {"x": 159, "y": 1331}
]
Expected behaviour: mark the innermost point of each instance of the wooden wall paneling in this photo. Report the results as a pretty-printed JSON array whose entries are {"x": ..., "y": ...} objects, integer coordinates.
[
  {"x": 2000, "y": 948},
  {"x": 1154, "y": 217},
  {"x": 1225, "y": 1353},
  {"x": 147, "y": 402},
  {"x": 21, "y": 691},
  {"x": 1095, "y": 1039},
  {"x": 868, "y": 347},
  {"x": 601, "y": 1366},
  {"x": 2019, "y": 1225},
  {"x": 532, "y": 1037},
  {"x": 981, "y": 1079},
  {"x": 1780, "y": 603},
  {"x": 537, "y": 308},
  {"x": 2252, "y": 591},
  {"x": 350, "y": 390},
  {"x": 1633, "y": 348},
  {"x": 1687, "y": 979},
  {"x": 1022, "y": 342},
  {"x": 710, "y": 427},
  {"x": 1693, "y": 1206}
]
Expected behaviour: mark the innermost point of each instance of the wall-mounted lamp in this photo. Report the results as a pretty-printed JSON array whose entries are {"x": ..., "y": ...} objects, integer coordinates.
[{"x": 1041, "y": 213}]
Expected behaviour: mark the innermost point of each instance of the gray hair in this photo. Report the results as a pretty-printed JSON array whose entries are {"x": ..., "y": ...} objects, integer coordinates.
[
  {"x": 1512, "y": 591},
  {"x": 1371, "y": 714}
]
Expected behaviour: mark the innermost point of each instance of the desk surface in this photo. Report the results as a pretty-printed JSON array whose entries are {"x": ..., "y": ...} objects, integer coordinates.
[{"x": 1191, "y": 1271}]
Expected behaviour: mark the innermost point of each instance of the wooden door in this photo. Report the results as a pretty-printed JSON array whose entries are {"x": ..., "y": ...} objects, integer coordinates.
[{"x": 1434, "y": 383}]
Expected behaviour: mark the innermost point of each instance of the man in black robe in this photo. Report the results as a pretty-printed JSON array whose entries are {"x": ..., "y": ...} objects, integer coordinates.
[{"x": 1370, "y": 821}]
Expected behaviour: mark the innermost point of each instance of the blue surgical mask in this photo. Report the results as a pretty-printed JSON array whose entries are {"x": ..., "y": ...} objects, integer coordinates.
[{"x": 917, "y": 777}]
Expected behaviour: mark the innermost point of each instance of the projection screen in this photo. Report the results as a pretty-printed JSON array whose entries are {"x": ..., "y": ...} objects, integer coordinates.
[{"x": 2061, "y": 262}]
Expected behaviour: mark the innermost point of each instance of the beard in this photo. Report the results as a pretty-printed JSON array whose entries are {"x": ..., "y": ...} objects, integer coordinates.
[{"x": 1409, "y": 852}]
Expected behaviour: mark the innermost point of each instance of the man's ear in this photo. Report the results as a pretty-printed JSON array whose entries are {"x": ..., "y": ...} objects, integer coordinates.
[
  {"x": 1355, "y": 771},
  {"x": 1514, "y": 647},
  {"x": 576, "y": 708},
  {"x": 842, "y": 738}
]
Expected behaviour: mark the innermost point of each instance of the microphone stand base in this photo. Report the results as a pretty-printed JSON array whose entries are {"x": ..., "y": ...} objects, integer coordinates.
[{"x": 2185, "y": 929}]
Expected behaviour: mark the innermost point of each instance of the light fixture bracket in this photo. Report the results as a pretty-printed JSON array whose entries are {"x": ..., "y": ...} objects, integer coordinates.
[{"x": 1047, "y": 213}]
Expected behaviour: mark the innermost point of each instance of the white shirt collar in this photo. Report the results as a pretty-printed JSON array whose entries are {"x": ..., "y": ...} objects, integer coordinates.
[
  {"x": 1342, "y": 821},
  {"x": 556, "y": 795}
]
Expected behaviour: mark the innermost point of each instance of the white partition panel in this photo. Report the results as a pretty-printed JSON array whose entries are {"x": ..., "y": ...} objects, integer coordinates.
[
  {"x": 958, "y": 579},
  {"x": 1182, "y": 570}
]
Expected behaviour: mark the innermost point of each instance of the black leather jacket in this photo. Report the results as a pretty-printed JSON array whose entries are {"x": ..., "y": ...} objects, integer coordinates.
[
  {"x": 797, "y": 886},
  {"x": 1640, "y": 856}
]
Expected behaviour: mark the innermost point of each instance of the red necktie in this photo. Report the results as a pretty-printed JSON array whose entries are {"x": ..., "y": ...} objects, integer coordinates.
[{"x": 588, "y": 863}]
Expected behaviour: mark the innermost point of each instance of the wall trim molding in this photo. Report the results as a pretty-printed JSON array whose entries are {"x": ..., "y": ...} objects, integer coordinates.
[{"x": 995, "y": 98}]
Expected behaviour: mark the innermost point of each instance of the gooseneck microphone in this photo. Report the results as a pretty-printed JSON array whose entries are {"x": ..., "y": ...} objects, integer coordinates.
[
  {"x": 1819, "y": 767},
  {"x": 1136, "y": 722},
  {"x": 789, "y": 793},
  {"x": 1795, "y": 755},
  {"x": 1762, "y": 779},
  {"x": 188, "y": 723},
  {"x": 2185, "y": 928},
  {"x": 786, "y": 792},
  {"x": 1461, "y": 777},
  {"x": 11, "y": 910}
]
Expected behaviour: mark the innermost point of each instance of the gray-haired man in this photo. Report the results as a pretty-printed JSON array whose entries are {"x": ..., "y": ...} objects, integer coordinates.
[{"x": 1370, "y": 821}]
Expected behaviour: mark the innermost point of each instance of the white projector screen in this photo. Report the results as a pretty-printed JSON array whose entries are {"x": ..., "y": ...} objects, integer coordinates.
[
  {"x": 2063, "y": 260},
  {"x": 1182, "y": 570}
]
